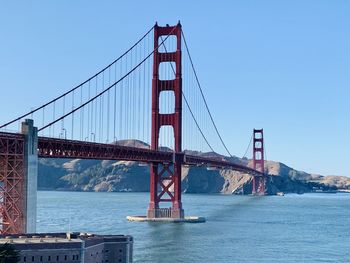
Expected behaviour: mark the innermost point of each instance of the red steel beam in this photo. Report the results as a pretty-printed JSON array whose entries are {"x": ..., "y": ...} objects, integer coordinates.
[
  {"x": 62, "y": 148},
  {"x": 12, "y": 184},
  {"x": 219, "y": 163},
  {"x": 12, "y": 181}
]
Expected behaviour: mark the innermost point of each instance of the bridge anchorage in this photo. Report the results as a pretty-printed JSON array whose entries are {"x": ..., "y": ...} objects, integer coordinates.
[{"x": 83, "y": 124}]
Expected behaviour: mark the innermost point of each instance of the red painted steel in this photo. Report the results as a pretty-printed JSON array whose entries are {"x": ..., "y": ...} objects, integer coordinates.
[
  {"x": 12, "y": 184},
  {"x": 165, "y": 176},
  {"x": 165, "y": 180},
  {"x": 12, "y": 176},
  {"x": 193, "y": 160},
  {"x": 62, "y": 148},
  {"x": 258, "y": 162}
]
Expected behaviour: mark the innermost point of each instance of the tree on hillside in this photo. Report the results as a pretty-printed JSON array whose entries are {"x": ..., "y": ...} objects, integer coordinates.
[{"x": 8, "y": 254}]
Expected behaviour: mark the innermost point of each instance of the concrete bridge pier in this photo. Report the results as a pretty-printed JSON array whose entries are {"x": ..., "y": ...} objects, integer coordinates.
[{"x": 30, "y": 175}]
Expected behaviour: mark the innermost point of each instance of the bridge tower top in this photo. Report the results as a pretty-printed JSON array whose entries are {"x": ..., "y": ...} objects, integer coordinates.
[{"x": 173, "y": 119}]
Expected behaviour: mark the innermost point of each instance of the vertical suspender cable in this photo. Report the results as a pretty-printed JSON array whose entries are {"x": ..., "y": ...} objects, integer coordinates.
[
  {"x": 121, "y": 117},
  {"x": 101, "y": 108},
  {"x": 43, "y": 120},
  {"x": 54, "y": 117},
  {"x": 63, "y": 112},
  {"x": 148, "y": 97},
  {"x": 133, "y": 97},
  {"x": 66, "y": 93},
  {"x": 89, "y": 114},
  {"x": 202, "y": 94},
  {"x": 139, "y": 100},
  {"x": 108, "y": 98},
  {"x": 72, "y": 128},
  {"x": 127, "y": 102},
  {"x": 96, "y": 110},
  {"x": 143, "y": 95},
  {"x": 115, "y": 104}
]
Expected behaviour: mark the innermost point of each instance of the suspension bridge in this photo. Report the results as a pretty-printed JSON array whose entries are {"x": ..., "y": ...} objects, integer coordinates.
[{"x": 146, "y": 106}]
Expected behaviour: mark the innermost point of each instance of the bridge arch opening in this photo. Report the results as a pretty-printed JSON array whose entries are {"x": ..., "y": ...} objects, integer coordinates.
[
  {"x": 166, "y": 138},
  {"x": 166, "y": 71},
  {"x": 167, "y": 102},
  {"x": 258, "y": 156},
  {"x": 169, "y": 45},
  {"x": 258, "y": 144}
]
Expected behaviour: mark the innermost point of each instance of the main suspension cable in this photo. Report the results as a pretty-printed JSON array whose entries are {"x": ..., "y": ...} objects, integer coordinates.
[
  {"x": 201, "y": 91},
  {"x": 110, "y": 87},
  {"x": 250, "y": 142},
  {"x": 81, "y": 84},
  {"x": 188, "y": 105}
]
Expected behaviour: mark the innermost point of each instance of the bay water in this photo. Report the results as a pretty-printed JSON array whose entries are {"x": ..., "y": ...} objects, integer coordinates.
[{"x": 290, "y": 228}]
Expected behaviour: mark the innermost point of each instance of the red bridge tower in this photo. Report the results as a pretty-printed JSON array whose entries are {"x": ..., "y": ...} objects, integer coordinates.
[
  {"x": 258, "y": 162},
  {"x": 166, "y": 177}
]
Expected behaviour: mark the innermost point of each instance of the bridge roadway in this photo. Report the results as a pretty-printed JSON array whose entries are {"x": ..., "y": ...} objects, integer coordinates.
[{"x": 64, "y": 148}]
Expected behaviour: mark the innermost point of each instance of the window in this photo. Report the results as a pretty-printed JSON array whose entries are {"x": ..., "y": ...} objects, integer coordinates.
[
  {"x": 41, "y": 258},
  {"x": 24, "y": 259},
  {"x": 77, "y": 257},
  {"x": 73, "y": 257},
  {"x": 32, "y": 258},
  {"x": 65, "y": 257},
  {"x": 58, "y": 258},
  {"x": 49, "y": 258},
  {"x": 106, "y": 250}
]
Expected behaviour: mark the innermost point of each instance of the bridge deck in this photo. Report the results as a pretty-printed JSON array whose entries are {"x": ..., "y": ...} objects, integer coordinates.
[{"x": 63, "y": 148}]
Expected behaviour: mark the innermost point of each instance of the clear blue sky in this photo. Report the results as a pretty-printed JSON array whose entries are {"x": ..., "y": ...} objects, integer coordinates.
[{"x": 280, "y": 65}]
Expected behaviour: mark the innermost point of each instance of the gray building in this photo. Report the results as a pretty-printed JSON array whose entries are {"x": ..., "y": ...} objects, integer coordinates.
[{"x": 71, "y": 248}]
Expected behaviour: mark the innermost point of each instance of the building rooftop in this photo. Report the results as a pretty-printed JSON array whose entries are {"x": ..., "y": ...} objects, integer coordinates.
[{"x": 60, "y": 238}]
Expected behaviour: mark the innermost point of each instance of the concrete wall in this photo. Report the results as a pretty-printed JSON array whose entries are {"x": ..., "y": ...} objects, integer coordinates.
[
  {"x": 31, "y": 173},
  {"x": 82, "y": 248},
  {"x": 116, "y": 252},
  {"x": 51, "y": 255},
  {"x": 94, "y": 253},
  {"x": 109, "y": 248}
]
